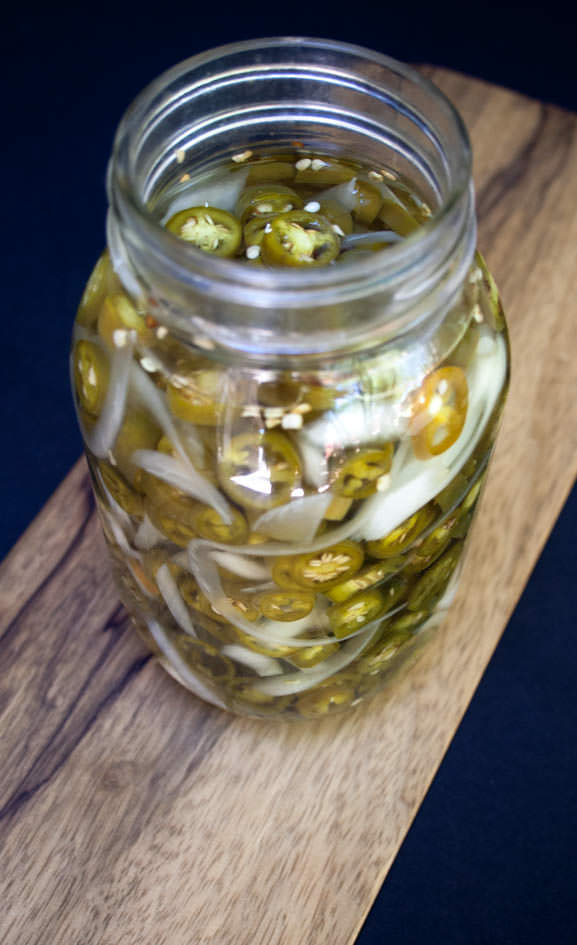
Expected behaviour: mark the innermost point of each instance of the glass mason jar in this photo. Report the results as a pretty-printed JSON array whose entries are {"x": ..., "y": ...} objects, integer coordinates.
[{"x": 287, "y": 455}]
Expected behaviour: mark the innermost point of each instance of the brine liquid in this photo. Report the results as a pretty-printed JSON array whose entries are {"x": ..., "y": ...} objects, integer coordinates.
[{"x": 285, "y": 538}]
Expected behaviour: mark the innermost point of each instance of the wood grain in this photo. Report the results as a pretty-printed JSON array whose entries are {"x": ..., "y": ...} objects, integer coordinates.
[{"x": 133, "y": 814}]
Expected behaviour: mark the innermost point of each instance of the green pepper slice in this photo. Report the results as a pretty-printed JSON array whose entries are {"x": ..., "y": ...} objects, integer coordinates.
[
  {"x": 265, "y": 199},
  {"x": 118, "y": 314},
  {"x": 205, "y": 659},
  {"x": 367, "y": 577},
  {"x": 325, "y": 700},
  {"x": 322, "y": 570},
  {"x": 91, "y": 375},
  {"x": 198, "y": 398},
  {"x": 259, "y": 471},
  {"x": 209, "y": 524},
  {"x": 285, "y": 605},
  {"x": 377, "y": 658},
  {"x": 120, "y": 489},
  {"x": 439, "y": 411},
  {"x": 356, "y": 612},
  {"x": 401, "y": 537},
  {"x": 208, "y": 228},
  {"x": 300, "y": 238},
  {"x": 307, "y": 656},
  {"x": 432, "y": 584},
  {"x": 92, "y": 296},
  {"x": 138, "y": 432},
  {"x": 358, "y": 477},
  {"x": 368, "y": 202}
]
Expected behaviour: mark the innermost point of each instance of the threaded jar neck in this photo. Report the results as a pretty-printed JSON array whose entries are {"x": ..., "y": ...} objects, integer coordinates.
[{"x": 331, "y": 97}]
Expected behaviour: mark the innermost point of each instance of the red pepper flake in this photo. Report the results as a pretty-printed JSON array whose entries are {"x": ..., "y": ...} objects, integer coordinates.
[{"x": 150, "y": 322}]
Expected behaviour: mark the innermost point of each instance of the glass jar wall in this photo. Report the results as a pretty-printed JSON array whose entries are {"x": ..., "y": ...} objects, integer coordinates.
[{"x": 289, "y": 369}]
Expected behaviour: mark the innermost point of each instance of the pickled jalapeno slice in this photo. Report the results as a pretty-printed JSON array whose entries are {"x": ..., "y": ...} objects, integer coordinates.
[
  {"x": 118, "y": 316},
  {"x": 401, "y": 537},
  {"x": 210, "y": 525},
  {"x": 285, "y": 605},
  {"x": 91, "y": 374},
  {"x": 325, "y": 699},
  {"x": 359, "y": 476},
  {"x": 307, "y": 656},
  {"x": 431, "y": 586},
  {"x": 138, "y": 432},
  {"x": 300, "y": 238},
  {"x": 259, "y": 471},
  {"x": 120, "y": 489},
  {"x": 96, "y": 286},
  {"x": 198, "y": 398},
  {"x": 367, "y": 577},
  {"x": 382, "y": 652},
  {"x": 265, "y": 199},
  {"x": 439, "y": 413},
  {"x": 368, "y": 202},
  {"x": 208, "y": 228},
  {"x": 323, "y": 569},
  {"x": 354, "y": 613},
  {"x": 206, "y": 659}
]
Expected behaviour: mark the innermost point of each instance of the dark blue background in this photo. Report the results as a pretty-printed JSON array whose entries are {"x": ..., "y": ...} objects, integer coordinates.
[{"x": 491, "y": 856}]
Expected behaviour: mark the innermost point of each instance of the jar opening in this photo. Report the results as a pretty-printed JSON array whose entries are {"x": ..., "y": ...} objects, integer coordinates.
[{"x": 330, "y": 96}]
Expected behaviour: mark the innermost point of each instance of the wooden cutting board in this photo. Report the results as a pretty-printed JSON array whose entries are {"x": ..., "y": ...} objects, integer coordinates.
[{"x": 133, "y": 814}]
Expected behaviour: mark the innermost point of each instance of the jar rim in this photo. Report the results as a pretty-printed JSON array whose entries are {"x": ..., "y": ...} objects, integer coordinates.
[{"x": 284, "y": 287}]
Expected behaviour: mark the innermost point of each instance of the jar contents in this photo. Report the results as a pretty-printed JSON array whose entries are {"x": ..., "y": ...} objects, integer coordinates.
[
  {"x": 293, "y": 210},
  {"x": 284, "y": 537}
]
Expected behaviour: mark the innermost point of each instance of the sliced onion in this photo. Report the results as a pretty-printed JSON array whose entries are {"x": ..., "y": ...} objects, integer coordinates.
[
  {"x": 178, "y": 668},
  {"x": 314, "y": 462},
  {"x": 358, "y": 423},
  {"x": 171, "y": 596},
  {"x": 298, "y": 520},
  {"x": 118, "y": 533},
  {"x": 186, "y": 478},
  {"x": 101, "y": 438},
  {"x": 301, "y": 681},
  {"x": 263, "y": 665},
  {"x": 147, "y": 535},
  {"x": 150, "y": 397},
  {"x": 376, "y": 236},
  {"x": 387, "y": 510},
  {"x": 117, "y": 511},
  {"x": 223, "y": 193},
  {"x": 342, "y": 193},
  {"x": 245, "y": 568}
]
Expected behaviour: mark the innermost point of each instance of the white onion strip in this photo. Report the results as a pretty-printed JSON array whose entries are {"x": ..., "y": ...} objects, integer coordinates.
[
  {"x": 263, "y": 665},
  {"x": 387, "y": 510},
  {"x": 342, "y": 193},
  {"x": 358, "y": 423},
  {"x": 298, "y": 520},
  {"x": 243, "y": 567},
  {"x": 172, "y": 470},
  {"x": 223, "y": 193},
  {"x": 147, "y": 535},
  {"x": 148, "y": 394},
  {"x": 376, "y": 236},
  {"x": 171, "y": 596},
  {"x": 301, "y": 681},
  {"x": 177, "y": 668},
  {"x": 101, "y": 438}
]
